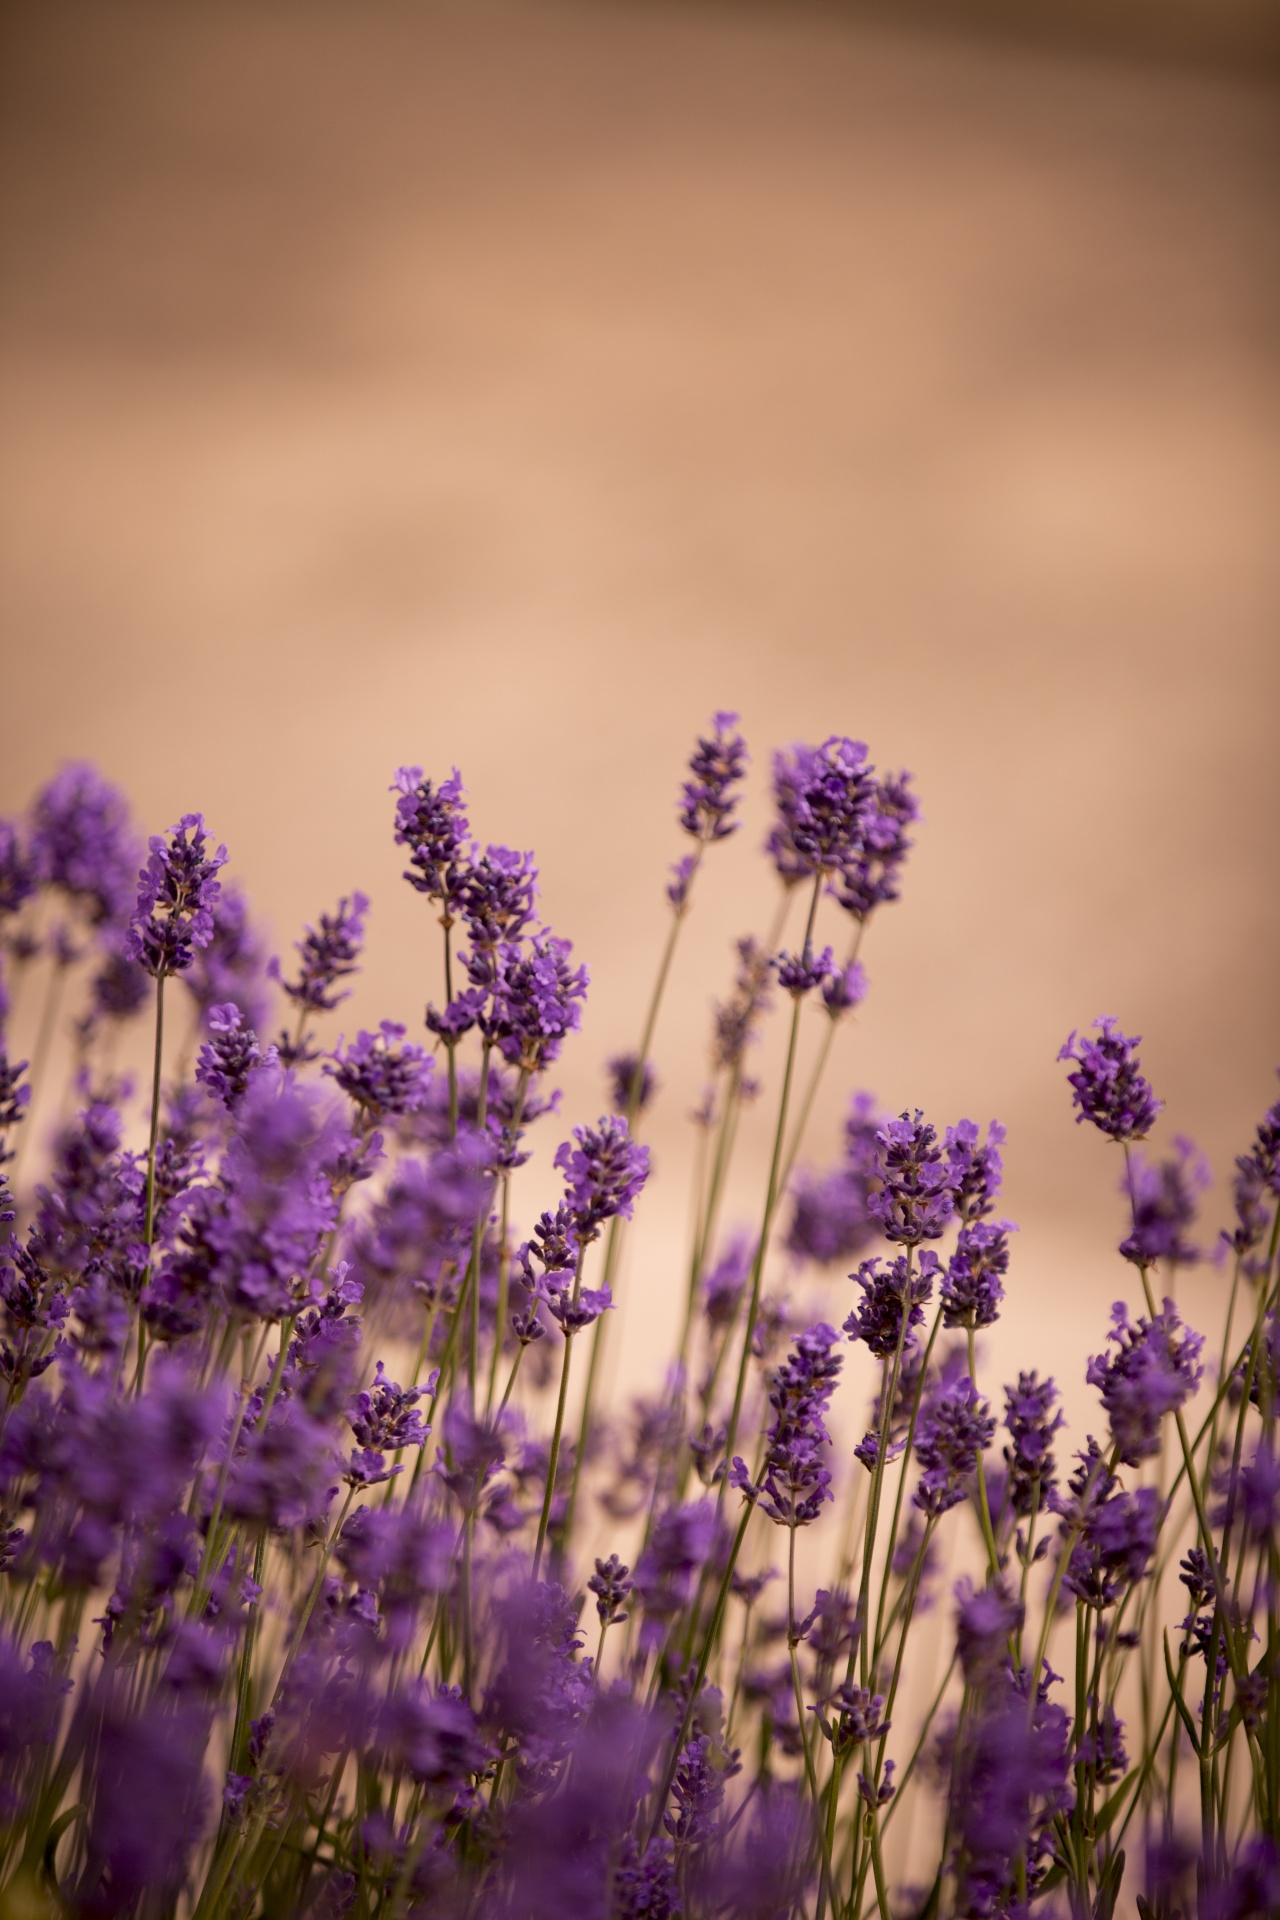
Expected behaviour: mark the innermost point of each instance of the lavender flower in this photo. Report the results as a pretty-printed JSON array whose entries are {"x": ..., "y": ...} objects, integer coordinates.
[
  {"x": 956, "y": 1425},
  {"x": 496, "y": 896},
  {"x": 382, "y": 1073},
  {"x": 716, "y": 767},
  {"x": 986, "y": 1617},
  {"x": 916, "y": 1200},
  {"x": 796, "y": 1483},
  {"x": 844, "y": 988},
  {"x": 537, "y": 1001},
  {"x": 1107, "y": 1087},
  {"x": 611, "y": 1584},
  {"x": 623, "y": 1071},
  {"x": 329, "y": 953},
  {"x": 232, "y": 968},
  {"x": 888, "y": 1292},
  {"x": 824, "y": 796},
  {"x": 1163, "y": 1199},
  {"x": 869, "y": 878},
  {"x": 14, "y": 1097},
  {"x": 681, "y": 881},
  {"x": 604, "y": 1173},
  {"x": 976, "y": 1168},
  {"x": 19, "y": 875},
  {"x": 798, "y": 974},
  {"x": 230, "y": 1056},
  {"x": 82, "y": 842},
  {"x": 1031, "y": 1423},
  {"x": 384, "y": 1419},
  {"x": 1154, "y": 1369},
  {"x": 831, "y": 1219},
  {"x": 431, "y": 823},
  {"x": 1116, "y": 1531},
  {"x": 680, "y": 1543},
  {"x": 972, "y": 1287},
  {"x": 176, "y": 891},
  {"x": 1102, "y": 1747}
]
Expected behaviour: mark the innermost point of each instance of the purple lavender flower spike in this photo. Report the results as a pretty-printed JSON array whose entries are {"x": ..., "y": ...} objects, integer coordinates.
[
  {"x": 384, "y": 1074},
  {"x": 176, "y": 891},
  {"x": 870, "y": 878},
  {"x": 956, "y": 1425},
  {"x": 886, "y": 1293},
  {"x": 831, "y": 1219},
  {"x": 1116, "y": 1530},
  {"x": 496, "y": 893},
  {"x": 329, "y": 953},
  {"x": 430, "y": 821},
  {"x": 384, "y": 1418},
  {"x": 738, "y": 1020},
  {"x": 716, "y": 767},
  {"x": 14, "y": 1097},
  {"x": 1163, "y": 1201},
  {"x": 622, "y": 1077},
  {"x": 976, "y": 1168},
  {"x": 795, "y": 1482},
  {"x": 666, "y": 1572},
  {"x": 1153, "y": 1371},
  {"x": 537, "y": 1001},
  {"x": 230, "y": 1055},
  {"x": 610, "y": 1583},
  {"x": 844, "y": 989},
  {"x": 985, "y": 1618},
  {"x": 82, "y": 842},
  {"x": 972, "y": 1287},
  {"x": 604, "y": 1173},
  {"x": 1031, "y": 1422},
  {"x": 824, "y": 796},
  {"x": 681, "y": 881},
  {"x": 19, "y": 875},
  {"x": 798, "y": 974},
  {"x": 916, "y": 1201},
  {"x": 1107, "y": 1087}
]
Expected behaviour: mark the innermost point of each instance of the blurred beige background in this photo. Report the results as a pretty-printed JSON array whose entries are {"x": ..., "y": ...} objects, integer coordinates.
[{"x": 509, "y": 385}]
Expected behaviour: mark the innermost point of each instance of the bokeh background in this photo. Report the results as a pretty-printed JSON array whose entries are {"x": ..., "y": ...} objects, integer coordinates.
[{"x": 509, "y": 384}]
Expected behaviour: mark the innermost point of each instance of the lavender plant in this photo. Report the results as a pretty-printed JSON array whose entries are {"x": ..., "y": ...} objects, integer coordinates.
[{"x": 300, "y": 1508}]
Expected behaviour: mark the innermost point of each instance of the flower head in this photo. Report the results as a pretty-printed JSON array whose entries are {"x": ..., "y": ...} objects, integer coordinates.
[
  {"x": 916, "y": 1200},
  {"x": 82, "y": 842},
  {"x": 232, "y": 968},
  {"x": 1163, "y": 1198},
  {"x": 844, "y": 988},
  {"x": 1107, "y": 1087},
  {"x": 19, "y": 874},
  {"x": 430, "y": 821},
  {"x": 799, "y": 973},
  {"x": 972, "y": 1287},
  {"x": 176, "y": 891},
  {"x": 610, "y": 1583},
  {"x": 869, "y": 878},
  {"x": 230, "y": 1055},
  {"x": 1031, "y": 1423},
  {"x": 716, "y": 767},
  {"x": 631, "y": 1078},
  {"x": 382, "y": 1073},
  {"x": 956, "y": 1425},
  {"x": 824, "y": 796},
  {"x": 604, "y": 1173},
  {"x": 889, "y": 1292},
  {"x": 796, "y": 1482},
  {"x": 1154, "y": 1369},
  {"x": 537, "y": 1001}
]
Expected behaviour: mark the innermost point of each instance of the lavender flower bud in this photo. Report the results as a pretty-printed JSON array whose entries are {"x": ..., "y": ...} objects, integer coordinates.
[
  {"x": 1154, "y": 1369},
  {"x": 604, "y": 1173},
  {"x": 956, "y": 1425},
  {"x": 611, "y": 1584},
  {"x": 176, "y": 891},
  {"x": 431, "y": 823},
  {"x": 623, "y": 1069},
  {"x": 329, "y": 953},
  {"x": 887, "y": 1293},
  {"x": 716, "y": 766},
  {"x": 382, "y": 1076},
  {"x": 824, "y": 796},
  {"x": 870, "y": 877},
  {"x": 229, "y": 1057},
  {"x": 1031, "y": 1423},
  {"x": 1163, "y": 1199},
  {"x": 82, "y": 842},
  {"x": 916, "y": 1200},
  {"x": 972, "y": 1287}
]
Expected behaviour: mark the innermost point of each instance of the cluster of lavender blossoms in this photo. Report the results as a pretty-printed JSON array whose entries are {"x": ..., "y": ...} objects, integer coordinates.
[{"x": 310, "y": 1461}]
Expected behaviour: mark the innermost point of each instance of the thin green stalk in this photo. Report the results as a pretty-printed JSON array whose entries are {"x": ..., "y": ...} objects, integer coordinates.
[
  {"x": 558, "y": 1429},
  {"x": 149, "y": 1231}
]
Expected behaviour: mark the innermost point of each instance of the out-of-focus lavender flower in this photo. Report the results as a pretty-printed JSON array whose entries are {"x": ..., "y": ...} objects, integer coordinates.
[
  {"x": 623, "y": 1069},
  {"x": 283, "y": 1474},
  {"x": 799, "y": 973},
  {"x": 604, "y": 1173},
  {"x": 679, "y": 1545},
  {"x": 1154, "y": 1369},
  {"x": 698, "y": 1791},
  {"x": 716, "y": 767},
  {"x": 1010, "y": 1776},
  {"x": 956, "y": 1425},
  {"x": 1103, "y": 1748},
  {"x": 916, "y": 1200},
  {"x": 1031, "y": 1422},
  {"x": 14, "y": 1097},
  {"x": 232, "y": 968},
  {"x": 120, "y": 986},
  {"x": 90, "y": 1213},
  {"x": 681, "y": 881},
  {"x": 972, "y": 1287},
  {"x": 985, "y": 1619},
  {"x": 1256, "y": 1186},
  {"x": 888, "y": 1293},
  {"x": 537, "y": 1001},
  {"x": 149, "y": 1806},
  {"x": 19, "y": 875},
  {"x": 1163, "y": 1198},
  {"x": 645, "y": 1885},
  {"x": 831, "y": 1220},
  {"x": 824, "y": 797},
  {"x": 230, "y": 1056},
  {"x": 177, "y": 887},
  {"x": 869, "y": 879},
  {"x": 33, "y": 1311},
  {"x": 382, "y": 1072},
  {"x": 844, "y": 988},
  {"x": 738, "y": 1019},
  {"x": 852, "y": 1716},
  {"x": 432, "y": 1734},
  {"x": 430, "y": 821},
  {"x": 1251, "y": 1886},
  {"x": 82, "y": 842},
  {"x": 1107, "y": 1087},
  {"x": 1115, "y": 1531},
  {"x": 722, "y": 1284},
  {"x": 328, "y": 953},
  {"x": 795, "y": 1482},
  {"x": 1258, "y": 1492}
]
